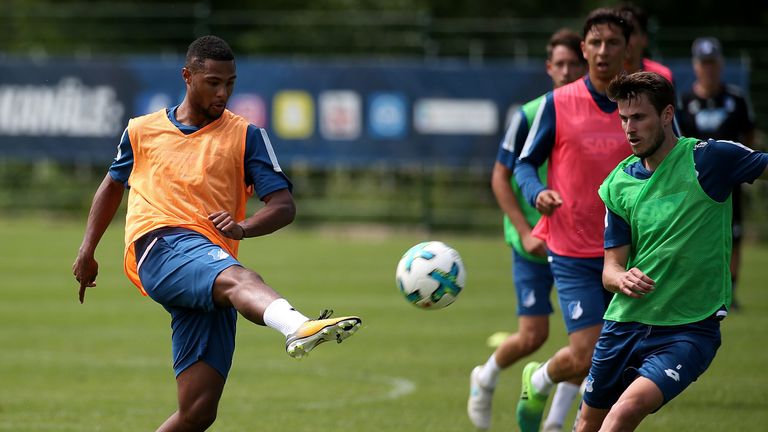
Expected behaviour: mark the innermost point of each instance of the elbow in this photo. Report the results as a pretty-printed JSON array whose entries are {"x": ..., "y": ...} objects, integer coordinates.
[{"x": 288, "y": 213}]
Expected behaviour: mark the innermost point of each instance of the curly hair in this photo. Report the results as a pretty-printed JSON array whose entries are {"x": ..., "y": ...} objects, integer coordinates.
[{"x": 207, "y": 47}]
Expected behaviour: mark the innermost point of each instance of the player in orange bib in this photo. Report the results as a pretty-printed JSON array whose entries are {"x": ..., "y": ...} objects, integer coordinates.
[{"x": 190, "y": 170}]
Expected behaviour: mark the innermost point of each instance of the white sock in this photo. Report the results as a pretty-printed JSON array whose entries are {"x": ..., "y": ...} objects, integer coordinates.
[
  {"x": 489, "y": 373},
  {"x": 541, "y": 381},
  {"x": 281, "y": 316},
  {"x": 561, "y": 403}
]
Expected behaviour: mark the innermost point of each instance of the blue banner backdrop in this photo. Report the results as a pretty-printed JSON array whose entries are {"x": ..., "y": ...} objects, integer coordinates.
[{"x": 317, "y": 112}]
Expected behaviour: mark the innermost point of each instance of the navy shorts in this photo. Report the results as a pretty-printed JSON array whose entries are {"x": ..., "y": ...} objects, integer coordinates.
[
  {"x": 671, "y": 356},
  {"x": 579, "y": 282},
  {"x": 177, "y": 269},
  {"x": 533, "y": 285}
]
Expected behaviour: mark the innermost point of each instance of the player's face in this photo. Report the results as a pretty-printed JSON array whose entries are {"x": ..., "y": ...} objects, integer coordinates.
[
  {"x": 708, "y": 71},
  {"x": 605, "y": 50},
  {"x": 643, "y": 126},
  {"x": 209, "y": 88},
  {"x": 564, "y": 67}
]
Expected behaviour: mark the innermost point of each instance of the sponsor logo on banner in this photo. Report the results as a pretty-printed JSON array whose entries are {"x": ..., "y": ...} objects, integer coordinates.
[
  {"x": 387, "y": 117},
  {"x": 340, "y": 115},
  {"x": 68, "y": 108},
  {"x": 294, "y": 114},
  {"x": 251, "y": 107},
  {"x": 456, "y": 116}
]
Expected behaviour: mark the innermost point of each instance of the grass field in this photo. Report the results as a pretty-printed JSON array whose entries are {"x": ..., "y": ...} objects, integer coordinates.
[{"x": 105, "y": 365}]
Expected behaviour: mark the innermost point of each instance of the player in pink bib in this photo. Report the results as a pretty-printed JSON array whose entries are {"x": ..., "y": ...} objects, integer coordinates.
[{"x": 578, "y": 129}]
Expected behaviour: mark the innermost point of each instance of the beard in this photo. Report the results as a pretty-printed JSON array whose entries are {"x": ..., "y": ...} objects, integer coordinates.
[{"x": 654, "y": 147}]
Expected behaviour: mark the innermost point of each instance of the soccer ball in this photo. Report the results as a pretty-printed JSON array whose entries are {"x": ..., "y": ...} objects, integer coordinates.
[{"x": 431, "y": 275}]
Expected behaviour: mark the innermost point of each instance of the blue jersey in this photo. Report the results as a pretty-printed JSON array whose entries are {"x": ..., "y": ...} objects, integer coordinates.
[
  {"x": 720, "y": 165},
  {"x": 262, "y": 170}
]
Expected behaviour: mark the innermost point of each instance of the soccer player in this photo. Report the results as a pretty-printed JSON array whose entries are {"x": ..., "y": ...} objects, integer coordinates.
[
  {"x": 667, "y": 249},
  {"x": 638, "y": 43},
  {"x": 714, "y": 109},
  {"x": 532, "y": 277},
  {"x": 190, "y": 170},
  {"x": 578, "y": 130}
]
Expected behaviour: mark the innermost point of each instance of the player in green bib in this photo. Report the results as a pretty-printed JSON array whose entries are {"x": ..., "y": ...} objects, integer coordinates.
[
  {"x": 667, "y": 255},
  {"x": 532, "y": 276}
]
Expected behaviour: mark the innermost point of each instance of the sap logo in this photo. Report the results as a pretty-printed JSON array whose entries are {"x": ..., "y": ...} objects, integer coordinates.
[
  {"x": 603, "y": 145},
  {"x": 661, "y": 208}
]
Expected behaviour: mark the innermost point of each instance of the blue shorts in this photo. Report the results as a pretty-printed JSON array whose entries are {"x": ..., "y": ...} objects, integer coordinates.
[
  {"x": 579, "y": 282},
  {"x": 533, "y": 285},
  {"x": 178, "y": 268},
  {"x": 671, "y": 356}
]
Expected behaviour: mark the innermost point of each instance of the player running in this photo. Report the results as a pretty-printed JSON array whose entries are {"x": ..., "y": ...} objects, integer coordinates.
[
  {"x": 578, "y": 130},
  {"x": 532, "y": 277},
  {"x": 667, "y": 253}
]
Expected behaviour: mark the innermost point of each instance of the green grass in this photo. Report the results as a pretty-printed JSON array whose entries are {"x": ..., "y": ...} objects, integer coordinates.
[{"x": 105, "y": 365}]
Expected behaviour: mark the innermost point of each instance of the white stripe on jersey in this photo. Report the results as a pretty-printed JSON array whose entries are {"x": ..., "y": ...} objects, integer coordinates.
[
  {"x": 738, "y": 145},
  {"x": 509, "y": 138},
  {"x": 270, "y": 151},
  {"x": 532, "y": 133},
  {"x": 122, "y": 138}
]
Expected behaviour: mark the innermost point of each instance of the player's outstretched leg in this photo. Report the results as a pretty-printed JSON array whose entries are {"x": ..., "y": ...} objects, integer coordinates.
[
  {"x": 314, "y": 332},
  {"x": 479, "y": 402},
  {"x": 530, "y": 408}
]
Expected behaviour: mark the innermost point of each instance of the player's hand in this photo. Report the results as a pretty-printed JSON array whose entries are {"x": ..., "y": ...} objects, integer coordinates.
[
  {"x": 547, "y": 201},
  {"x": 534, "y": 245},
  {"x": 223, "y": 222},
  {"x": 85, "y": 269},
  {"x": 636, "y": 284}
]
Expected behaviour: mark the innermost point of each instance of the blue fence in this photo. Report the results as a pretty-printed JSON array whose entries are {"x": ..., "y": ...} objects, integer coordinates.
[{"x": 316, "y": 112}]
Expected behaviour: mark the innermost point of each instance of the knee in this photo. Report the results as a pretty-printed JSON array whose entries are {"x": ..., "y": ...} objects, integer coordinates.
[
  {"x": 530, "y": 341},
  {"x": 626, "y": 412},
  {"x": 199, "y": 417}
]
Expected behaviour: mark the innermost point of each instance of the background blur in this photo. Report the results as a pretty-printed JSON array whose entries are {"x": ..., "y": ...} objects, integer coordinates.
[{"x": 383, "y": 111}]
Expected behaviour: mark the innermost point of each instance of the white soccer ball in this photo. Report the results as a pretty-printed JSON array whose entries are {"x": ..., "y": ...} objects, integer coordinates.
[{"x": 431, "y": 275}]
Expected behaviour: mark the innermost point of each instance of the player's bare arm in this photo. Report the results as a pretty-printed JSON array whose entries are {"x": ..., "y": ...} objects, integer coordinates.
[
  {"x": 616, "y": 278},
  {"x": 547, "y": 201},
  {"x": 105, "y": 203},
  {"x": 279, "y": 210},
  {"x": 505, "y": 197}
]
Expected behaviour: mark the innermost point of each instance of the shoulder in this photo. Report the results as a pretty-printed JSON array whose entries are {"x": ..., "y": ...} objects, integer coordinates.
[
  {"x": 734, "y": 91},
  {"x": 147, "y": 118},
  {"x": 569, "y": 90},
  {"x": 654, "y": 66},
  {"x": 719, "y": 152},
  {"x": 721, "y": 146},
  {"x": 533, "y": 105}
]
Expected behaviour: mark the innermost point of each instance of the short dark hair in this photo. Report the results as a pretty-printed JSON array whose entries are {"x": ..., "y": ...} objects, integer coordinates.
[
  {"x": 207, "y": 47},
  {"x": 567, "y": 38},
  {"x": 633, "y": 13},
  {"x": 607, "y": 16},
  {"x": 655, "y": 87}
]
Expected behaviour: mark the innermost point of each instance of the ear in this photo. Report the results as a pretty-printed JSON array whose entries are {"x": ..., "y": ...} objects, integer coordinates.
[
  {"x": 668, "y": 114},
  {"x": 186, "y": 75}
]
